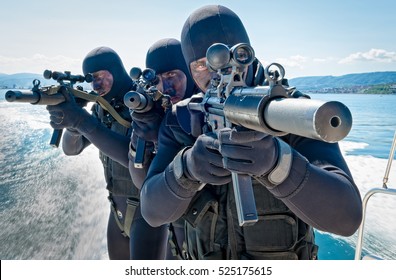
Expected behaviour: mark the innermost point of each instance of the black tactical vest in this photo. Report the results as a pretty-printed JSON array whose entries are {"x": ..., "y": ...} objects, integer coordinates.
[
  {"x": 213, "y": 232},
  {"x": 117, "y": 176}
]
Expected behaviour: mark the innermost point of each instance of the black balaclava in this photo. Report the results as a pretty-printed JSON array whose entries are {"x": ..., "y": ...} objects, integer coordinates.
[
  {"x": 166, "y": 55},
  {"x": 208, "y": 25},
  {"x": 104, "y": 58}
]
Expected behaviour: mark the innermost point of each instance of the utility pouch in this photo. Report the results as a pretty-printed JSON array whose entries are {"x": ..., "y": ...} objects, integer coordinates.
[
  {"x": 121, "y": 182},
  {"x": 272, "y": 233},
  {"x": 204, "y": 202},
  {"x": 200, "y": 227}
]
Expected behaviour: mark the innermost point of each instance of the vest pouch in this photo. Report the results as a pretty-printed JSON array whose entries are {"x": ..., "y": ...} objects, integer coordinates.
[
  {"x": 266, "y": 203},
  {"x": 203, "y": 202},
  {"x": 272, "y": 233},
  {"x": 200, "y": 226},
  {"x": 124, "y": 188},
  {"x": 117, "y": 176},
  {"x": 121, "y": 182}
]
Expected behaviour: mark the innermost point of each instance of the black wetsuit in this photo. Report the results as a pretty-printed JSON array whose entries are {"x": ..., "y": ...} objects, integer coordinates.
[
  {"x": 163, "y": 56},
  {"x": 319, "y": 191},
  {"x": 112, "y": 139}
]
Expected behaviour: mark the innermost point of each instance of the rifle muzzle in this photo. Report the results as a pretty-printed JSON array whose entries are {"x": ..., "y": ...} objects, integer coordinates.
[
  {"x": 138, "y": 102},
  {"x": 33, "y": 97}
]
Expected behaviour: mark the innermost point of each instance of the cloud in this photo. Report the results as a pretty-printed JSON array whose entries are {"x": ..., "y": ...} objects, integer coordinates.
[
  {"x": 296, "y": 61},
  {"x": 38, "y": 63},
  {"x": 376, "y": 55},
  {"x": 324, "y": 60}
]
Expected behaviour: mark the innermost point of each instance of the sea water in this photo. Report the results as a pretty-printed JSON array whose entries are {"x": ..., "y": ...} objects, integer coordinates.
[
  {"x": 366, "y": 150},
  {"x": 54, "y": 206}
]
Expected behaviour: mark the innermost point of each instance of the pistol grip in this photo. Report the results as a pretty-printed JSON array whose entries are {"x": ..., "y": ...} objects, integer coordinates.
[
  {"x": 140, "y": 149},
  {"x": 244, "y": 199},
  {"x": 56, "y": 137}
]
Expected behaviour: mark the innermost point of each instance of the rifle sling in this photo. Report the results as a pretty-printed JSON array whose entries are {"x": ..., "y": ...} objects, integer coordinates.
[{"x": 103, "y": 103}]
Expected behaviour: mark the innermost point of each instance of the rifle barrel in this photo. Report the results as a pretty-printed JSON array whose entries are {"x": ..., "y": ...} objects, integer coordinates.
[
  {"x": 328, "y": 121},
  {"x": 25, "y": 96},
  {"x": 33, "y": 97}
]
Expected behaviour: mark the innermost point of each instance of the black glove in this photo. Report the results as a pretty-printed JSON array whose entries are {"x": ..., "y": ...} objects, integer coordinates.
[
  {"x": 69, "y": 114},
  {"x": 247, "y": 151},
  {"x": 204, "y": 162},
  {"x": 145, "y": 126}
]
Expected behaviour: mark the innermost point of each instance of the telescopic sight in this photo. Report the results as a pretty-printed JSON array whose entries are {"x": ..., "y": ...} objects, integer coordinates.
[
  {"x": 218, "y": 56},
  {"x": 148, "y": 75},
  {"x": 242, "y": 54}
]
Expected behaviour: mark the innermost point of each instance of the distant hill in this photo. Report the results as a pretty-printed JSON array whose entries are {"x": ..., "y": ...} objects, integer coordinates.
[
  {"x": 347, "y": 83},
  {"x": 351, "y": 80}
]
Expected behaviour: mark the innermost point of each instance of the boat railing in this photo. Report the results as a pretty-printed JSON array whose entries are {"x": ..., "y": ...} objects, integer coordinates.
[{"x": 384, "y": 190}]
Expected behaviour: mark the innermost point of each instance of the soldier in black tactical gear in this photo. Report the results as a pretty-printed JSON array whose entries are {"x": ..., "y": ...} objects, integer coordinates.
[
  {"x": 112, "y": 138},
  {"x": 190, "y": 176},
  {"x": 166, "y": 59}
]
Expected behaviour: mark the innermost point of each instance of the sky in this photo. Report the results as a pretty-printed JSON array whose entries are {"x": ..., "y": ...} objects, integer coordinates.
[{"x": 308, "y": 37}]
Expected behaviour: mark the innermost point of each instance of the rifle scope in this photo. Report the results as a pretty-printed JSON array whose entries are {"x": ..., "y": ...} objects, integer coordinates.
[
  {"x": 67, "y": 76},
  {"x": 135, "y": 73},
  {"x": 150, "y": 77},
  {"x": 220, "y": 56}
]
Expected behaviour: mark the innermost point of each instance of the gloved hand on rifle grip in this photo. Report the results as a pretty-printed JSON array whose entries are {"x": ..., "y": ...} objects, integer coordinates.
[
  {"x": 69, "y": 114},
  {"x": 146, "y": 126},
  {"x": 204, "y": 162},
  {"x": 247, "y": 151}
]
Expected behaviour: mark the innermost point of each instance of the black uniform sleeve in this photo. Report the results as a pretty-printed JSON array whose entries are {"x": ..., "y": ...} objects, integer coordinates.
[
  {"x": 320, "y": 188},
  {"x": 162, "y": 199},
  {"x": 112, "y": 144},
  {"x": 73, "y": 143}
]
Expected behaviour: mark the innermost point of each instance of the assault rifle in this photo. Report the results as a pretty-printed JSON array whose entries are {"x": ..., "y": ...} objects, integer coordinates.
[
  {"x": 146, "y": 97},
  {"x": 270, "y": 108},
  {"x": 52, "y": 95}
]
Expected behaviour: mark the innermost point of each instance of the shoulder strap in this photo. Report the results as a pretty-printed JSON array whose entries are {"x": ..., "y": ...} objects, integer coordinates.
[{"x": 125, "y": 226}]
